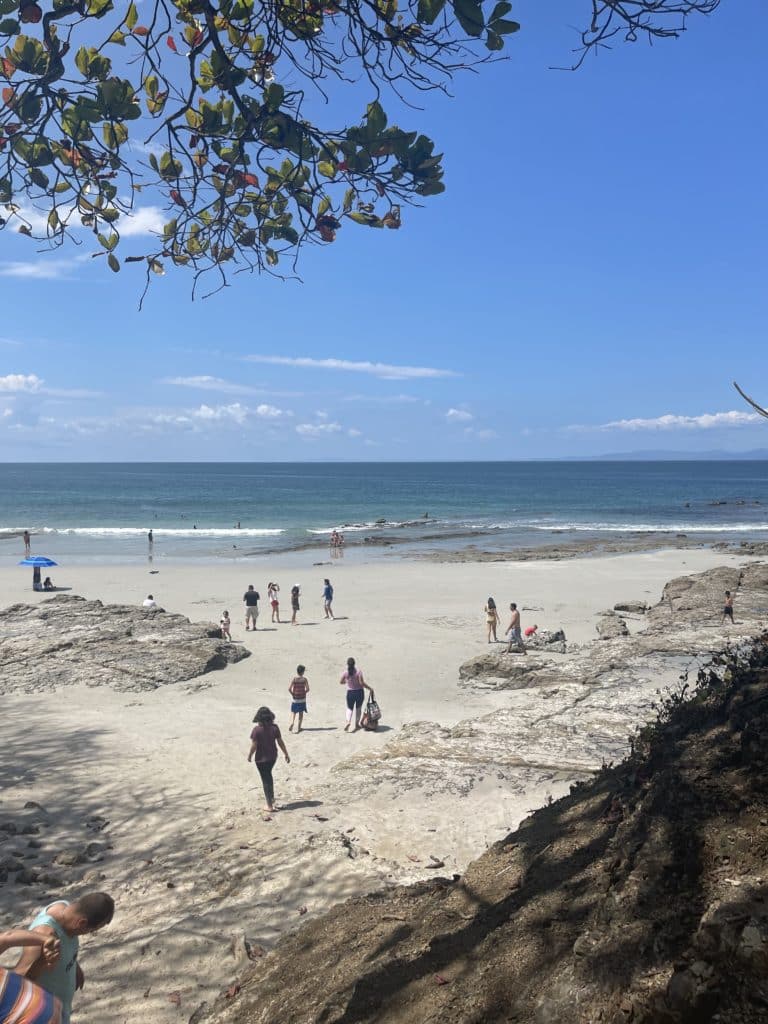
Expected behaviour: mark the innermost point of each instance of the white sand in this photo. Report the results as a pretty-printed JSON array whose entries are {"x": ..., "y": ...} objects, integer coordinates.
[{"x": 168, "y": 768}]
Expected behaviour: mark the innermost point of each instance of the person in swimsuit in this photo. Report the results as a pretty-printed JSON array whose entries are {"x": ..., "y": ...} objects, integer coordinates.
[
  {"x": 265, "y": 739},
  {"x": 356, "y": 687},
  {"x": 295, "y": 591},
  {"x": 65, "y": 922},
  {"x": 21, "y": 1001},
  {"x": 491, "y": 619},
  {"x": 273, "y": 596},
  {"x": 298, "y": 689},
  {"x": 728, "y": 607}
]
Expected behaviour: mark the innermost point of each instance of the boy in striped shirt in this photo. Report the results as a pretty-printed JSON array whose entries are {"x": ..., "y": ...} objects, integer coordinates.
[{"x": 298, "y": 690}]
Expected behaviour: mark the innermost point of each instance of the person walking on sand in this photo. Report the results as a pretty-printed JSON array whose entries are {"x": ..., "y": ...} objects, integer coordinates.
[
  {"x": 265, "y": 739},
  {"x": 21, "y": 1001},
  {"x": 225, "y": 625},
  {"x": 251, "y": 598},
  {"x": 27, "y": 544},
  {"x": 728, "y": 607},
  {"x": 515, "y": 636},
  {"x": 327, "y": 599},
  {"x": 491, "y": 619},
  {"x": 298, "y": 689},
  {"x": 273, "y": 596},
  {"x": 65, "y": 922},
  {"x": 295, "y": 591},
  {"x": 356, "y": 687}
]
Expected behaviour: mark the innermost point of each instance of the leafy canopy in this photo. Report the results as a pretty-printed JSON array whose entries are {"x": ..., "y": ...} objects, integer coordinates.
[
  {"x": 204, "y": 85},
  {"x": 200, "y": 105}
]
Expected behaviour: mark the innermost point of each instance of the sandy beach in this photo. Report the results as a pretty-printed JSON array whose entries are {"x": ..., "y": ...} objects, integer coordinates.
[{"x": 158, "y": 780}]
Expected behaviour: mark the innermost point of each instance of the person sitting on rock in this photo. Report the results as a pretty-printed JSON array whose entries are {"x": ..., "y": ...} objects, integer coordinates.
[{"x": 65, "y": 922}]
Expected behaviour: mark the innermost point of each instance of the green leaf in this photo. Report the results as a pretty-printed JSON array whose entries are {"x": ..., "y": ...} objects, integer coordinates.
[
  {"x": 9, "y": 27},
  {"x": 274, "y": 96},
  {"x": 377, "y": 119},
  {"x": 349, "y": 198},
  {"x": 429, "y": 10},
  {"x": 114, "y": 263},
  {"x": 500, "y": 10},
  {"x": 494, "y": 42},
  {"x": 132, "y": 16},
  {"x": 470, "y": 16},
  {"x": 53, "y": 220},
  {"x": 506, "y": 28},
  {"x": 326, "y": 169}
]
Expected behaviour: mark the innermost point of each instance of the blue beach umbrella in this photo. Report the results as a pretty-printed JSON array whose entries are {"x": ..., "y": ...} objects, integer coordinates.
[{"x": 37, "y": 562}]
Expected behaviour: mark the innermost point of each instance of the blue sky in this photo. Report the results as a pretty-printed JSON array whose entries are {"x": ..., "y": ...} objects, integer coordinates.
[{"x": 591, "y": 281}]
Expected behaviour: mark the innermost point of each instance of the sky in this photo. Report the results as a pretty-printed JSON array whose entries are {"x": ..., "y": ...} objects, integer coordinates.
[{"x": 591, "y": 281}]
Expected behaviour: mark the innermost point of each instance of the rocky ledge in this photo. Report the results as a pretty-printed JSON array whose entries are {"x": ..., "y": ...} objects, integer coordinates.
[
  {"x": 67, "y": 640},
  {"x": 640, "y": 898}
]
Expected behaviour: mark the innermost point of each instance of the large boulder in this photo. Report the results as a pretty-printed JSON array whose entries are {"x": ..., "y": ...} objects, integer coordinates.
[
  {"x": 68, "y": 640},
  {"x": 611, "y": 626}
]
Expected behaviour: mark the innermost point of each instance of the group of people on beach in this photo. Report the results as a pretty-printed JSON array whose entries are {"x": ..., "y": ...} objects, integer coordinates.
[
  {"x": 41, "y": 987},
  {"x": 513, "y": 630},
  {"x": 266, "y": 737},
  {"x": 251, "y": 600},
  {"x": 337, "y": 544}
]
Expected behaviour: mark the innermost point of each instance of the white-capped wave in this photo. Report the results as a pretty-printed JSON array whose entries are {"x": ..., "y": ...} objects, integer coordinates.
[{"x": 157, "y": 531}]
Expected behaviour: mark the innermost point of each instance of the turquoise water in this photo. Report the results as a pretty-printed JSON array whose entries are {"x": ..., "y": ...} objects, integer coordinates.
[{"x": 103, "y": 511}]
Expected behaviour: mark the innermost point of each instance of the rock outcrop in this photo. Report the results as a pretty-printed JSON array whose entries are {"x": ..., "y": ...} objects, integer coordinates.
[
  {"x": 641, "y": 898},
  {"x": 611, "y": 626},
  {"x": 68, "y": 640}
]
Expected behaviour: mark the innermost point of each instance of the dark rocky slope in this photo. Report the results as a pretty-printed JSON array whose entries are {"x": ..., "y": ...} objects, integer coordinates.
[{"x": 642, "y": 897}]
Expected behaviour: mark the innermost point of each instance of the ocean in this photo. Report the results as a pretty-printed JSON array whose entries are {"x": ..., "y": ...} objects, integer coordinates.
[{"x": 102, "y": 512}]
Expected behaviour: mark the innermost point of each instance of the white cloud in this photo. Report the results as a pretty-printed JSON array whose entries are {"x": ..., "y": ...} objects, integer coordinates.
[
  {"x": 354, "y": 432},
  {"x": 383, "y": 399},
  {"x": 312, "y": 431},
  {"x": 6, "y": 413},
  {"x": 270, "y": 412},
  {"x": 235, "y": 412},
  {"x": 459, "y": 415},
  {"x": 146, "y": 220},
  {"x": 45, "y": 270},
  {"x": 670, "y": 421},
  {"x": 20, "y": 382},
  {"x": 207, "y": 383},
  {"x": 385, "y": 371}
]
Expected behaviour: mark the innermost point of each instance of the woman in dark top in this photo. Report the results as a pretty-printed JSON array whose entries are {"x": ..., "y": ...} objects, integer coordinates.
[
  {"x": 265, "y": 739},
  {"x": 295, "y": 591}
]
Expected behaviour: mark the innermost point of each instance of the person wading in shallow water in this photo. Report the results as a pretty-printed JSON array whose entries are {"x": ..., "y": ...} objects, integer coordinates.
[{"x": 265, "y": 739}]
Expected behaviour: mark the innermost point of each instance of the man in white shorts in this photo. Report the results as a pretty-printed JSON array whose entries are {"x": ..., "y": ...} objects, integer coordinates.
[{"x": 251, "y": 599}]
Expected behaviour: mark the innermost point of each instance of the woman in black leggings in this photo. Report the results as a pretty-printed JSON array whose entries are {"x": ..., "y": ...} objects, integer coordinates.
[{"x": 265, "y": 739}]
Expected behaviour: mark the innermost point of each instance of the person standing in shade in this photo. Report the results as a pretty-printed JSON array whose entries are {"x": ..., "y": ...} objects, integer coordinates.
[
  {"x": 356, "y": 687},
  {"x": 65, "y": 922},
  {"x": 265, "y": 739},
  {"x": 491, "y": 619},
  {"x": 251, "y": 599},
  {"x": 327, "y": 599},
  {"x": 295, "y": 592},
  {"x": 27, "y": 544},
  {"x": 21, "y": 1001}
]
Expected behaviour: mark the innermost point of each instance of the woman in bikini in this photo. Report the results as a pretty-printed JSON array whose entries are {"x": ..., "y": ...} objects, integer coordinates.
[{"x": 491, "y": 619}]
